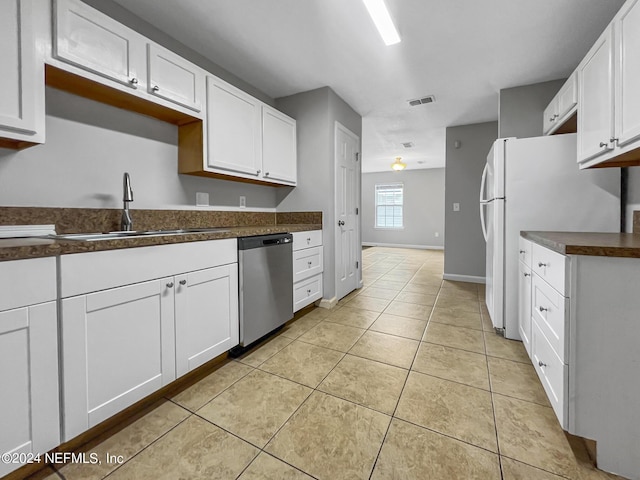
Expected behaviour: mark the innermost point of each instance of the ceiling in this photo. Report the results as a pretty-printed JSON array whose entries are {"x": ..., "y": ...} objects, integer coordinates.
[{"x": 461, "y": 51}]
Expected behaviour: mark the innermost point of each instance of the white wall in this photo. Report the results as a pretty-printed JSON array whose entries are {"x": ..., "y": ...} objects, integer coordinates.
[
  {"x": 88, "y": 147},
  {"x": 423, "y": 208}
]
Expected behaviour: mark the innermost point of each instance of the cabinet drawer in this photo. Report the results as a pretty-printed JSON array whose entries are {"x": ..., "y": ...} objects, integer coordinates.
[
  {"x": 306, "y": 292},
  {"x": 312, "y": 238},
  {"x": 524, "y": 251},
  {"x": 550, "y": 310},
  {"x": 553, "y": 373},
  {"x": 27, "y": 282},
  {"x": 524, "y": 306},
  {"x": 551, "y": 266},
  {"x": 307, "y": 263}
]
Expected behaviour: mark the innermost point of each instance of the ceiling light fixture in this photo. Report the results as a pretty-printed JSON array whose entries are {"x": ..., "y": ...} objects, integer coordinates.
[
  {"x": 398, "y": 164},
  {"x": 380, "y": 16}
]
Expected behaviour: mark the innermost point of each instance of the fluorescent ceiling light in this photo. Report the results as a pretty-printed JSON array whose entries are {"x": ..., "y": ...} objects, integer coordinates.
[{"x": 380, "y": 16}]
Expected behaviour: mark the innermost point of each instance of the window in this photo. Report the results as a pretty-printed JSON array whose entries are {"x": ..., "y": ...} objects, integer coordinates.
[{"x": 389, "y": 200}]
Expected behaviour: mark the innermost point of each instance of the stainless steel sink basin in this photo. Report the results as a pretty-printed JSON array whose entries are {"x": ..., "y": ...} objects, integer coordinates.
[{"x": 92, "y": 237}]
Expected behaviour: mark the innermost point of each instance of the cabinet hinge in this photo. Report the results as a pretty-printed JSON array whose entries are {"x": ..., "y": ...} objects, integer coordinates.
[
  {"x": 357, "y": 264},
  {"x": 357, "y": 210}
]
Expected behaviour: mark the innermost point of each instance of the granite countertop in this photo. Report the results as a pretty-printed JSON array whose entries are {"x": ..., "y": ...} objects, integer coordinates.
[
  {"x": 21, "y": 248},
  {"x": 592, "y": 244}
]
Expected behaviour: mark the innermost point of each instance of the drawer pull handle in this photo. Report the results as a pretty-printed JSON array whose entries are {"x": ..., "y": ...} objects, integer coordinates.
[
  {"x": 542, "y": 309},
  {"x": 133, "y": 81},
  {"x": 170, "y": 285},
  {"x": 183, "y": 282},
  {"x": 155, "y": 88},
  {"x": 541, "y": 363},
  {"x": 540, "y": 264},
  {"x": 603, "y": 144},
  {"x": 523, "y": 251},
  {"x": 309, "y": 264},
  {"x": 527, "y": 274},
  {"x": 309, "y": 292},
  {"x": 309, "y": 240}
]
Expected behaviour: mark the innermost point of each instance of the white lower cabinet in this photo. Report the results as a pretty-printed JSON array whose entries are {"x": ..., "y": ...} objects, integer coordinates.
[
  {"x": 524, "y": 306},
  {"x": 124, "y": 342},
  {"x": 29, "y": 402},
  {"x": 308, "y": 265}
]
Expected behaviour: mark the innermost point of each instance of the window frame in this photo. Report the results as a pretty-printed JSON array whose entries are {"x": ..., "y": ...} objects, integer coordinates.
[{"x": 375, "y": 203}]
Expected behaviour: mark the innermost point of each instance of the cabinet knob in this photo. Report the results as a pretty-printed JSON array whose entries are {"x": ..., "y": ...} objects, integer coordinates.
[
  {"x": 155, "y": 88},
  {"x": 541, "y": 363},
  {"x": 523, "y": 251},
  {"x": 309, "y": 264},
  {"x": 183, "y": 282},
  {"x": 613, "y": 140},
  {"x": 555, "y": 116},
  {"x": 542, "y": 309},
  {"x": 540, "y": 264},
  {"x": 308, "y": 291},
  {"x": 266, "y": 174},
  {"x": 258, "y": 172},
  {"x": 603, "y": 144},
  {"x": 133, "y": 81},
  {"x": 308, "y": 240},
  {"x": 170, "y": 285},
  {"x": 527, "y": 274},
  {"x": 551, "y": 119},
  {"x": 340, "y": 223}
]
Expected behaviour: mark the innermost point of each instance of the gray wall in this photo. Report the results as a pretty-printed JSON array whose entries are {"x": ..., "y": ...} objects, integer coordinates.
[
  {"x": 521, "y": 108},
  {"x": 423, "y": 208},
  {"x": 316, "y": 112},
  {"x": 88, "y": 147},
  {"x": 464, "y": 245}
]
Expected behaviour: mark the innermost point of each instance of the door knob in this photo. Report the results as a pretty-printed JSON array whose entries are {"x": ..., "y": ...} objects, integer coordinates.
[
  {"x": 170, "y": 285},
  {"x": 340, "y": 223},
  {"x": 183, "y": 282}
]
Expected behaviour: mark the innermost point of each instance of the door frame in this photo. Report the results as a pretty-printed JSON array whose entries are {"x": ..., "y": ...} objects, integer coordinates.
[{"x": 357, "y": 195}]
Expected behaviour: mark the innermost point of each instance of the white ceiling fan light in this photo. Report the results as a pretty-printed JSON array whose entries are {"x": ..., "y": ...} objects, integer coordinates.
[
  {"x": 382, "y": 20},
  {"x": 398, "y": 164}
]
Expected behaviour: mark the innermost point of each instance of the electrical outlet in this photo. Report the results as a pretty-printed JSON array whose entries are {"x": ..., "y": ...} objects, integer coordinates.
[
  {"x": 202, "y": 199},
  {"x": 456, "y": 207},
  {"x": 243, "y": 201}
]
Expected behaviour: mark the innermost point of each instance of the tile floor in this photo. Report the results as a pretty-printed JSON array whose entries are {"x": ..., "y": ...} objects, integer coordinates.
[{"x": 404, "y": 379}]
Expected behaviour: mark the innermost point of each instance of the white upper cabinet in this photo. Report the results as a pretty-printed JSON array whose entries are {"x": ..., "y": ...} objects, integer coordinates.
[
  {"x": 627, "y": 102},
  {"x": 595, "y": 118},
  {"x": 234, "y": 133},
  {"x": 22, "y": 80},
  {"x": 562, "y": 107},
  {"x": 175, "y": 79},
  {"x": 278, "y": 145},
  {"x": 93, "y": 41}
]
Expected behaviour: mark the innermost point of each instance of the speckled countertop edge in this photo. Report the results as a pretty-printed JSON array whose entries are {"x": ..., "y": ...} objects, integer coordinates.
[
  {"x": 625, "y": 245},
  {"x": 22, "y": 248}
]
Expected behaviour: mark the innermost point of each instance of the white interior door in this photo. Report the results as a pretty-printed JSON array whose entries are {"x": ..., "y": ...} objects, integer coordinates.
[{"x": 347, "y": 146}]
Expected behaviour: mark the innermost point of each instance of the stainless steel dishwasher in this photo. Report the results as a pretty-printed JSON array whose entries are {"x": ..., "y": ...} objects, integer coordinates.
[{"x": 265, "y": 284}]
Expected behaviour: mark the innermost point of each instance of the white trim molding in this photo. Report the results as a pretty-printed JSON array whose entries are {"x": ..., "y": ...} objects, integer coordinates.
[
  {"x": 327, "y": 303},
  {"x": 463, "y": 278},
  {"x": 401, "y": 245}
]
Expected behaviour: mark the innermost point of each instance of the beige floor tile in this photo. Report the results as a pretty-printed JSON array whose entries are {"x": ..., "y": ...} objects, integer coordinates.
[
  {"x": 452, "y": 364},
  {"x": 202, "y": 392},
  {"x": 399, "y": 326},
  {"x": 385, "y": 348},
  {"x": 368, "y": 303},
  {"x": 498, "y": 346},
  {"x": 379, "y": 293},
  {"x": 454, "y": 293},
  {"x": 349, "y": 296},
  {"x": 331, "y": 438},
  {"x": 413, "y": 453},
  {"x": 366, "y": 382},
  {"x": 431, "y": 289},
  {"x": 456, "y": 337},
  {"x": 303, "y": 363},
  {"x": 296, "y": 328},
  {"x": 193, "y": 450},
  {"x": 128, "y": 441},
  {"x": 531, "y": 433},
  {"x": 266, "y": 467},
  {"x": 255, "y": 407},
  {"x": 397, "y": 276},
  {"x": 516, "y": 379},
  {"x": 410, "y": 310},
  {"x": 265, "y": 350},
  {"x": 319, "y": 313},
  {"x": 450, "y": 408},
  {"x": 457, "y": 319},
  {"x": 432, "y": 279},
  {"x": 418, "y": 298},
  {"x": 487, "y": 326},
  {"x": 513, "y": 470},
  {"x": 333, "y": 335},
  {"x": 46, "y": 473},
  {"x": 389, "y": 284},
  {"x": 465, "y": 286},
  {"x": 353, "y": 317},
  {"x": 463, "y": 304}
]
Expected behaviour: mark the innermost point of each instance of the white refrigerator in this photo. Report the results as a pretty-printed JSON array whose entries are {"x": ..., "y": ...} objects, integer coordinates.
[{"x": 535, "y": 184}]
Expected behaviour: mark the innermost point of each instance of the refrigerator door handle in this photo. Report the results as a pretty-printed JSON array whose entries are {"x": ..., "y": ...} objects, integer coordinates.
[
  {"x": 482, "y": 221},
  {"x": 482, "y": 184}
]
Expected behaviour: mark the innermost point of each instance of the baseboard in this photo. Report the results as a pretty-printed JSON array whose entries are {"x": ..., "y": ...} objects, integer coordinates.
[
  {"x": 401, "y": 245},
  {"x": 463, "y": 278},
  {"x": 327, "y": 303}
]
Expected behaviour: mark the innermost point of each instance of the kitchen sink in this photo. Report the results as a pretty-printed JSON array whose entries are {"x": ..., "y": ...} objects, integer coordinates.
[{"x": 92, "y": 237}]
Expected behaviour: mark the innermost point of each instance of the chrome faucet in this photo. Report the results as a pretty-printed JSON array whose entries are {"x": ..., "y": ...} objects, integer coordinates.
[{"x": 127, "y": 222}]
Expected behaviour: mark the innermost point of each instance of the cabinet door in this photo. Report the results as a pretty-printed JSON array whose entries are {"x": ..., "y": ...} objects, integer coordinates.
[
  {"x": 95, "y": 42},
  {"x": 173, "y": 78},
  {"x": 628, "y": 74},
  {"x": 549, "y": 116},
  {"x": 118, "y": 346},
  {"x": 279, "y": 159},
  {"x": 19, "y": 83},
  {"x": 567, "y": 96},
  {"x": 233, "y": 129},
  {"x": 524, "y": 306},
  {"x": 30, "y": 413},
  {"x": 206, "y": 315},
  {"x": 595, "y": 121}
]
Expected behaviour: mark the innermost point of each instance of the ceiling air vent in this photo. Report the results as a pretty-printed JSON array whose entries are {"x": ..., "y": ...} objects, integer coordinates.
[
  {"x": 408, "y": 145},
  {"x": 422, "y": 101}
]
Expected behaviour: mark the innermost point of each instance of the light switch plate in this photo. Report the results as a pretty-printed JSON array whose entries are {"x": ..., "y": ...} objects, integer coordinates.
[{"x": 456, "y": 207}]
